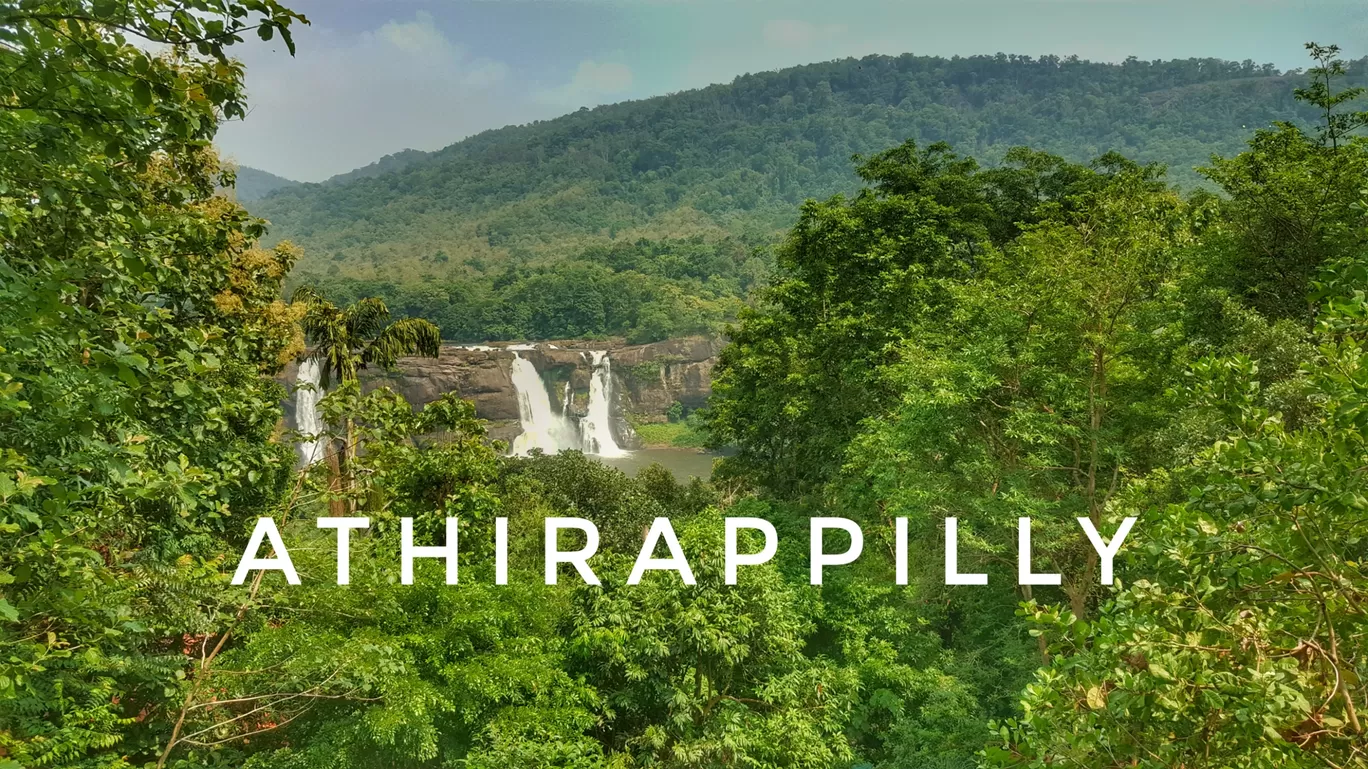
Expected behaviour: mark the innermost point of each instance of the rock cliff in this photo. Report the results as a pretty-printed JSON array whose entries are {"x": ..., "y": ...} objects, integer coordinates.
[
  {"x": 654, "y": 376},
  {"x": 647, "y": 378}
]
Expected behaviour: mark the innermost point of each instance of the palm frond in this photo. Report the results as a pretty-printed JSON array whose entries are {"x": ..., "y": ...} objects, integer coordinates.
[
  {"x": 411, "y": 336},
  {"x": 307, "y": 294},
  {"x": 325, "y": 331},
  {"x": 366, "y": 317},
  {"x": 323, "y": 324}
]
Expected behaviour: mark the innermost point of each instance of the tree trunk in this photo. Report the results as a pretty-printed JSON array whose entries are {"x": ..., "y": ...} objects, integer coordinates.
[
  {"x": 336, "y": 505},
  {"x": 1078, "y": 597},
  {"x": 1097, "y": 395},
  {"x": 349, "y": 455}
]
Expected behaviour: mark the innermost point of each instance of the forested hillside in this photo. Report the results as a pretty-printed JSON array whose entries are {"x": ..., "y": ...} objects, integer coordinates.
[
  {"x": 252, "y": 184},
  {"x": 255, "y": 184},
  {"x": 725, "y": 164}
]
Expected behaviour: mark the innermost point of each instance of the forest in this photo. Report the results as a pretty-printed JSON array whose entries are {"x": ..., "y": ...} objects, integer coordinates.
[
  {"x": 1041, "y": 337},
  {"x": 642, "y": 291},
  {"x": 726, "y": 166}
]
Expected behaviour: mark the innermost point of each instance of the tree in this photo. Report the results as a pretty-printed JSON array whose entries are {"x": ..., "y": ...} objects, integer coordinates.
[
  {"x": 1288, "y": 200},
  {"x": 138, "y": 326},
  {"x": 856, "y": 279},
  {"x": 801, "y": 370},
  {"x": 381, "y": 673},
  {"x": 1038, "y": 397},
  {"x": 1242, "y": 643},
  {"x": 1336, "y": 126},
  {"x": 346, "y": 340},
  {"x": 706, "y": 675}
]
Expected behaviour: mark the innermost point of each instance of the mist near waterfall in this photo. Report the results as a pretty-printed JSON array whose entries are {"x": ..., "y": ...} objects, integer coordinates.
[{"x": 554, "y": 431}]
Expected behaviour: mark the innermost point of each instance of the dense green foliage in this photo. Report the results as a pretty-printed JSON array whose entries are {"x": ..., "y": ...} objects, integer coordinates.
[
  {"x": 137, "y": 319},
  {"x": 1062, "y": 342},
  {"x": 1242, "y": 645},
  {"x": 644, "y": 291},
  {"x": 687, "y": 433},
  {"x": 254, "y": 184},
  {"x": 345, "y": 340},
  {"x": 1076, "y": 344},
  {"x": 728, "y": 163}
]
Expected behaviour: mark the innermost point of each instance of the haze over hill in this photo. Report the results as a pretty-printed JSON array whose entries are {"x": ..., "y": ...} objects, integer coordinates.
[
  {"x": 255, "y": 184},
  {"x": 720, "y": 171}
]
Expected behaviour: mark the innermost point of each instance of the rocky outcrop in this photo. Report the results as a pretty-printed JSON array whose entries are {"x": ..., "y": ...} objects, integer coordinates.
[
  {"x": 479, "y": 376},
  {"x": 647, "y": 378},
  {"x": 654, "y": 376}
]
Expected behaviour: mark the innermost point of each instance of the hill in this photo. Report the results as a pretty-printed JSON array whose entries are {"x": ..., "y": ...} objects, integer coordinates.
[
  {"x": 255, "y": 184},
  {"x": 720, "y": 171},
  {"x": 397, "y": 161}
]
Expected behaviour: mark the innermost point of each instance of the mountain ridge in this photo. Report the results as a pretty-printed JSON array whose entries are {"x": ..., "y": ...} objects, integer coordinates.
[
  {"x": 728, "y": 165},
  {"x": 254, "y": 184}
]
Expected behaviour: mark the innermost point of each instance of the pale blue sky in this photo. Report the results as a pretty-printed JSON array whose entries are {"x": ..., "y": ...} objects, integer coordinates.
[{"x": 376, "y": 76}]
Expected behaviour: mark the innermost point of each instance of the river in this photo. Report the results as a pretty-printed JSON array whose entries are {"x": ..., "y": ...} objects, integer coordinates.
[{"x": 684, "y": 463}]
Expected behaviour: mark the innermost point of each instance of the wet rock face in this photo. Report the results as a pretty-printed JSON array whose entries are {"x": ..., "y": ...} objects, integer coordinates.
[
  {"x": 647, "y": 379},
  {"x": 654, "y": 376},
  {"x": 478, "y": 376}
]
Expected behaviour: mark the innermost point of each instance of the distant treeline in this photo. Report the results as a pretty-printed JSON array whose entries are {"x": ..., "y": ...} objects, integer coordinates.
[
  {"x": 736, "y": 160},
  {"x": 644, "y": 291}
]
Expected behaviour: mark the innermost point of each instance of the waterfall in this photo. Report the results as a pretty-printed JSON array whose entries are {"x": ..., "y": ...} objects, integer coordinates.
[
  {"x": 308, "y": 392},
  {"x": 542, "y": 428},
  {"x": 596, "y": 428}
]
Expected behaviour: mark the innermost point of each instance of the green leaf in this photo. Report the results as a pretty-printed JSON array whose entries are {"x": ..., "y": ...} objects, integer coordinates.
[{"x": 142, "y": 93}]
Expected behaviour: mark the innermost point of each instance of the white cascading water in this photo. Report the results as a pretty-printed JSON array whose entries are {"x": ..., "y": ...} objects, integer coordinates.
[
  {"x": 542, "y": 428},
  {"x": 307, "y": 419},
  {"x": 596, "y": 428}
]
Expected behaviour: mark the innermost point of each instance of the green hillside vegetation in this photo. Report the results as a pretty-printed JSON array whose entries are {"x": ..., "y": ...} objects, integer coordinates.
[
  {"x": 644, "y": 291},
  {"x": 254, "y": 184},
  {"x": 1072, "y": 344},
  {"x": 388, "y": 164},
  {"x": 681, "y": 430},
  {"x": 728, "y": 164}
]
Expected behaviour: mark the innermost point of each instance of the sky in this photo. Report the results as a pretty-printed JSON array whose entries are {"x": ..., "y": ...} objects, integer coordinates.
[{"x": 373, "y": 77}]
